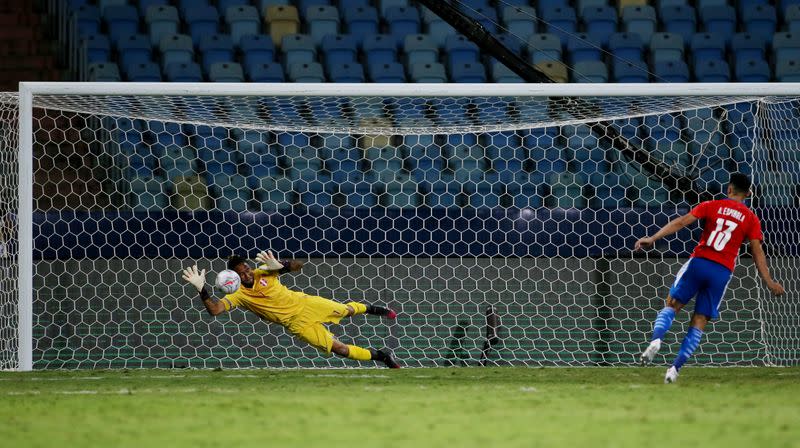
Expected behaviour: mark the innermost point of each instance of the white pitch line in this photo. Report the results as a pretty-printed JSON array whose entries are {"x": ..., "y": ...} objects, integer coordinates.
[{"x": 337, "y": 375}]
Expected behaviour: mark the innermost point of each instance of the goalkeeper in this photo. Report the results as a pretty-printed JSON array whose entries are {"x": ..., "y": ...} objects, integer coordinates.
[{"x": 302, "y": 315}]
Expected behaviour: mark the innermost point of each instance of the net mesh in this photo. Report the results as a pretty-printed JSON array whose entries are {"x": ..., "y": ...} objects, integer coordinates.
[
  {"x": 9, "y": 203},
  {"x": 446, "y": 209}
]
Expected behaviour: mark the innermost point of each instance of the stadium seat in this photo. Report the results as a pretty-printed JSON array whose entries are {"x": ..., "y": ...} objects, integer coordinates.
[
  {"x": 460, "y": 50},
  {"x": 485, "y": 15},
  {"x": 176, "y": 48},
  {"x": 600, "y": 23},
  {"x": 265, "y": 72},
  {"x": 144, "y": 72},
  {"x": 787, "y": 70},
  {"x": 626, "y": 47},
  {"x": 581, "y": 48},
  {"x": 360, "y": 22},
  {"x": 520, "y": 21},
  {"x": 121, "y": 20},
  {"x": 134, "y": 49},
  {"x": 786, "y": 46},
  {"x": 679, "y": 19},
  {"x": 435, "y": 27},
  {"x": 385, "y": 5},
  {"x": 503, "y": 74},
  {"x": 185, "y": 6},
  {"x": 752, "y": 70},
  {"x": 96, "y": 48},
  {"x": 298, "y": 49},
  {"x": 306, "y": 72},
  {"x": 283, "y": 20},
  {"x": 85, "y": 20},
  {"x": 380, "y": 49},
  {"x": 256, "y": 49},
  {"x": 216, "y": 48},
  {"x": 346, "y": 72},
  {"x": 707, "y": 46},
  {"x": 621, "y": 4},
  {"x": 719, "y": 20},
  {"x": 322, "y": 21},
  {"x": 555, "y": 70},
  {"x": 202, "y": 21},
  {"x": 161, "y": 20},
  {"x": 559, "y": 20},
  {"x": 671, "y": 71},
  {"x": 339, "y": 49},
  {"x": 428, "y": 72},
  {"x": 419, "y": 48},
  {"x": 225, "y": 72},
  {"x": 760, "y": 20},
  {"x": 630, "y": 72},
  {"x": 104, "y": 72},
  {"x": 544, "y": 47},
  {"x": 582, "y": 5},
  {"x": 391, "y": 72},
  {"x": 242, "y": 20},
  {"x": 666, "y": 47},
  {"x": 792, "y": 18},
  {"x": 402, "y": 21},
  {"x": 785, "y": 5},
  {"x": 710, "y": 70},
  {"x": 745, "y": 46},
  {"x": 641, "y": 20},
  {"x": 468, "y": 72},
  {"x": 183, "y": 72},
  {"x": 142, "y": 6},
  {"x": 589, "y": 71}
]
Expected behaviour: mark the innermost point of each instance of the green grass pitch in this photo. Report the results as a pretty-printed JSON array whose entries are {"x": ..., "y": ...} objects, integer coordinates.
[{"x": 439, "y": 407}]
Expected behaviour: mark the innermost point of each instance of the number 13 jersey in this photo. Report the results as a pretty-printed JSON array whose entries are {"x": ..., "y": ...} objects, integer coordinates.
[{"x": 726, "y": 224}]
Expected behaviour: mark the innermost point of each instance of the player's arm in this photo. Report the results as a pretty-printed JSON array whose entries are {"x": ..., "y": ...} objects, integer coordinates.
[
  {"x": 268, "y": 262},
  {"x": 670, "y": 228},
  {"x": 763, "y": 270},
  {"x": 198, "y": 280}
]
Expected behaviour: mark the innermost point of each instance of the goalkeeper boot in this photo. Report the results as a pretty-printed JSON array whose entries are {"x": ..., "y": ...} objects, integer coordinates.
[
  {"x": 650, "y": 352},
  {"x": 385, "y": 356},
  {"x": 671, "y": 376},
  {"x": 381, "y": 311}
]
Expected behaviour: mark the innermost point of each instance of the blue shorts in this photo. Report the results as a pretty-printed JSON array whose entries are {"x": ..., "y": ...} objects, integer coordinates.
[{"x": 705, "y": 278}]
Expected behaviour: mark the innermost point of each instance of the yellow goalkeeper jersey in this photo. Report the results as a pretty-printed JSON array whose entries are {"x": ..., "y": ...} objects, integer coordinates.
[{"x": 268, "y": 298}]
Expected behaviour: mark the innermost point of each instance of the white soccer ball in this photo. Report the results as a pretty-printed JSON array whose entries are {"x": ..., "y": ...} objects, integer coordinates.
[{"x": 228, "y": 281}]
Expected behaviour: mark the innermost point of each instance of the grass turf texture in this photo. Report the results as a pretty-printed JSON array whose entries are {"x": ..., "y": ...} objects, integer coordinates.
[{"x": 457, "y": 407}]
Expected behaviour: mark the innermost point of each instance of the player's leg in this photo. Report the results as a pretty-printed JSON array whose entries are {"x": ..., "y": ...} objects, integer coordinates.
[
  {"x": 362, "y": 354},
  {"x": 362, "y": 308},
  {"x": 683, "y": 289}
]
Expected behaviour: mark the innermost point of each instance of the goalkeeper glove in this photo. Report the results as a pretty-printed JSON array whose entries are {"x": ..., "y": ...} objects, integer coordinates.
[
  {"x": 268, "y": 262},
  {"x": 195, "y": 277}
]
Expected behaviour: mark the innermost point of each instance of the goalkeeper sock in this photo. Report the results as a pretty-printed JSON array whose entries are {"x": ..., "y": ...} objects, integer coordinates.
[
  {"x": 688, "y": 346},
  {"x": 663, "y": 322},
  {"x": 358, "y": 353},
  {"x": 381, "y": 311},
  {"x": 358, "y": 308}
]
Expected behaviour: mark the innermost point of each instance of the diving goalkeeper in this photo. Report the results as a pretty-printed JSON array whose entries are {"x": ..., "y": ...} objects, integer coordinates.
[{"x": 301, "y": 314}]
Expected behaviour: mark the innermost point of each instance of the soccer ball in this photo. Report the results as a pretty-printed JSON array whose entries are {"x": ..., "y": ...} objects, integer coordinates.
[{"x": 228, "y": 281}]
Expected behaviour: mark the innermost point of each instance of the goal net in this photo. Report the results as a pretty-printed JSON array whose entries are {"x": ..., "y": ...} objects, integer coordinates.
[{"x": 499, "y": 226}]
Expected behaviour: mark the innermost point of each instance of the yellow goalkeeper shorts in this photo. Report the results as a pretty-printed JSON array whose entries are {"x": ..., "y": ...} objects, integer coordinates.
[{"x": 308, "y": 325}]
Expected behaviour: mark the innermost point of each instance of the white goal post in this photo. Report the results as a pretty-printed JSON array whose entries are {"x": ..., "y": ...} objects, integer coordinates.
[{"x": 449, "y": 202}]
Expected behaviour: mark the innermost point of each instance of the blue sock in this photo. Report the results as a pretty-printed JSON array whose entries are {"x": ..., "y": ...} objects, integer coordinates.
[
  {"x": 663, "y": 322},
  {"x": 688, "y": 346}
]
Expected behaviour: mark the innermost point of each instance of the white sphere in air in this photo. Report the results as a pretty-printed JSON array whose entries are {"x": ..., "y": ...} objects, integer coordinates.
[{"x": 228, "y": 281}]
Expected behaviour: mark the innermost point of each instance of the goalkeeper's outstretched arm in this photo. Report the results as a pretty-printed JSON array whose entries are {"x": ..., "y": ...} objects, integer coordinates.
[
  {"x": 198, "y": 280},
  {"x": 268, "y": 262}
]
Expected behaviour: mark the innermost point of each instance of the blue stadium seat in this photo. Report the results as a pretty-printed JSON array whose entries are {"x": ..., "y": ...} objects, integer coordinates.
[
  {"x": 225, "y": 72},
  {"x": 589, "y": 71},
  {"x": 104, "y": 72},
  {"x": 322, "y": 21},
  {"x": 719, "y": 20},
  {"x": 583, "y": 5},
  {"x": 485, "y": 15},
  {"x": 161, "y": 20},
  {"x": 503, "y": 74},
  {"x": 385, "y": 5},
  {"x": 134, "y": 49},
  {"x": 787, "y": 70},
  {"x": 671, "y": 71},
  {"x": 187, "y": 5},
  {"x": 85, "y": 20},
  {"x": 360, "y": 22},
  {"x": 600, "y": 23},
  {"x": 202, "y": 21},
  {"x": 143, "y": 5},
  {"x": 265, "y": 72},
  {"x": 121, "y": 20},
  {"x": 419, "y": 48},
  {"x": 630, "y": 72},
  {"x": 298, "y": 49},
  {"x": 559, "y": 20},
  {"x": 792, "y": 18},
  {"x": 760, "y": 20},
  {"x": 306, "y": 72},
  {"x": 216, "y": 48},
  {"x": 390, "y": 72},
  {"x": 707, "y": 46},
  {"x": 346, "y": 72},
  {"x": 581, "y": 48},
  {"x": 745, "y": 46},
  {"x": 666, "y": 47},
  {"x": 344, "y": 5},
  {"x": 786, "y": 46},
  {"x": 428, "y": 72},
  {"x": 402, "y": 22},
  {"x": 435, "y": 27},
  {"x": 544, "y": 47},
  {"x": 752, "y": 70},
  {"x": 144, "y": 72},
  {"x": 256, "y": 49},
  {"x": 520, "y": 21},
  {"x": 339, "y": 49},
  {"x": 785, "y": 5},
  {"x": 626, "y": 46},
  {"x": 183, "y": 72},
  {"x": 641, "y": 20},
  {"x": 711, "y": 70},
  {"x": 468, "y": 72},
  {"x": 96, "y": 48},
  {"x": 679, "y": 19},
  {"x": 380, "y": 49},
  {"x": 459, "y": 50},
  {"x": 176, "y": 48},
  {"x": 242, "y": 20}
]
